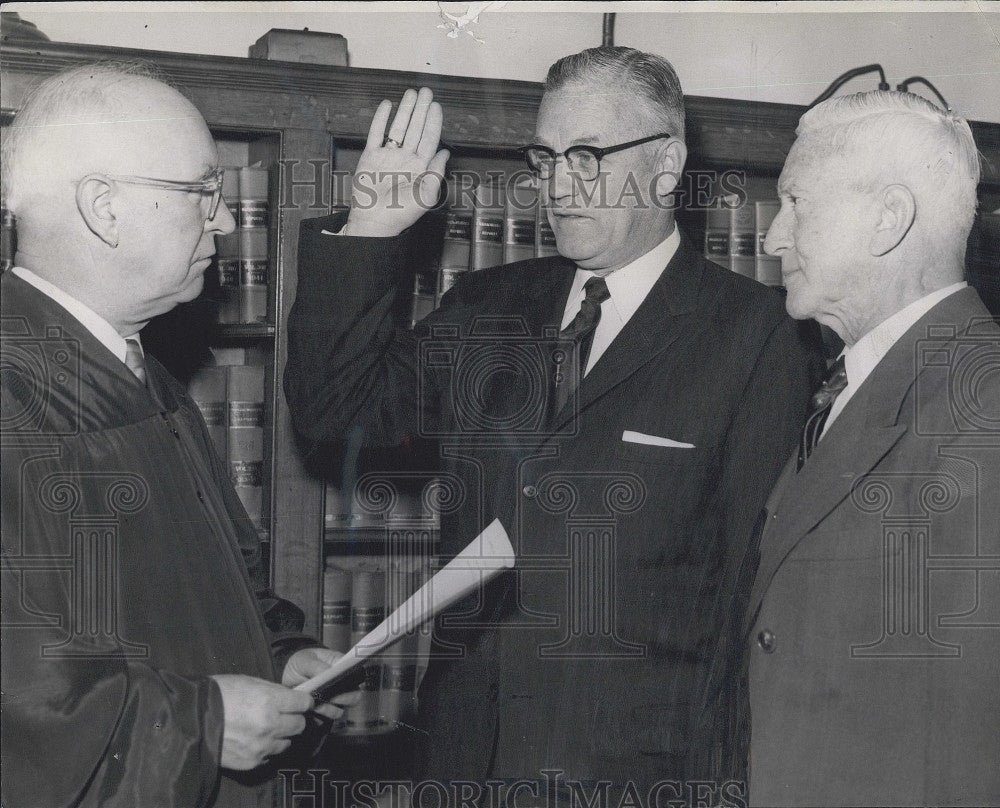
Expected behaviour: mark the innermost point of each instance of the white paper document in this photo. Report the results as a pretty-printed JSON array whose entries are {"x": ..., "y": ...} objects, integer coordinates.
[{"x": 486, "y": 556}]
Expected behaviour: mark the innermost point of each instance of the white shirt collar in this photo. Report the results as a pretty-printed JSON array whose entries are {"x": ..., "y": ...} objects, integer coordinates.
[
  {"x": 102, "y": 330},
  {"x": 627, "y": 286},
  {"x": 863, "y": 357}
]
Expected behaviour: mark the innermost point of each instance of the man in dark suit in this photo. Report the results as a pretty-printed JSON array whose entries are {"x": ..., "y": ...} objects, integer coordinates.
[
  {"x": 874, "y": 626},
  {"x": 141, "y": 648},
  {"x": 623, "y": 409}
]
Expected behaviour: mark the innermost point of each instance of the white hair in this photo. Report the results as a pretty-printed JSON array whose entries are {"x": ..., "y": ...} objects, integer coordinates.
[
  {"x": 891, "y": 136},
  {"x": 51, "y": 115}
]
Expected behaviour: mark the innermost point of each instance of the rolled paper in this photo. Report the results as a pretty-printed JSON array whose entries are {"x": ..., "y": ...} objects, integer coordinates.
[{"x": 487, "y": 555}]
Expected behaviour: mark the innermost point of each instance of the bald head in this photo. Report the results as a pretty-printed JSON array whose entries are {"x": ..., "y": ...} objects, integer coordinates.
[
  {"x": 112, "y": 118},
  {"x": 91, "y": 168}
]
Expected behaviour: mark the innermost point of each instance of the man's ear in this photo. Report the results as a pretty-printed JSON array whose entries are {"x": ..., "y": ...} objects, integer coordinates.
[
  {"x": 896, "y": 212},
  {"x": 95, "y": 201},
  {"x": 670, "y": 161}
]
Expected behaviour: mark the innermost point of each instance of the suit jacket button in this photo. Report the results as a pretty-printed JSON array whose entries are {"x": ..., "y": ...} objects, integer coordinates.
[
  {"x": 766, "y": 640},
  {"x": 530, "y": 491}
]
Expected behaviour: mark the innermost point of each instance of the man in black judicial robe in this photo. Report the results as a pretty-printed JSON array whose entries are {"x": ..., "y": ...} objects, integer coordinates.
[
  {"x": 605, "y": 656},
  {"x": 141, "y": 649}
]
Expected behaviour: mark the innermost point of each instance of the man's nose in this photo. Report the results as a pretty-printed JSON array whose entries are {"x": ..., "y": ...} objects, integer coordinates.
[
  {"x": 560, "y": 183},
  {"x": 223, "y": 221},
  {"x": 778, "y": 239}
]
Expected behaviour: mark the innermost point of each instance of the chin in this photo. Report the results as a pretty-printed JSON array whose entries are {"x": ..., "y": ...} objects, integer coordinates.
[
  {"x": 796, "y": 307},
  {"x": 192, "y": 290}
]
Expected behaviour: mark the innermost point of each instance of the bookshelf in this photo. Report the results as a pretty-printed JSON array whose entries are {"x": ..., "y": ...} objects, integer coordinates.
[{"x": 298, "y": 122}]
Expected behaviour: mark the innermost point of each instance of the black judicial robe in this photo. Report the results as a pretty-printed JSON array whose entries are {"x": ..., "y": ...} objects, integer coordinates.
[{"x": 131, "y": 573}]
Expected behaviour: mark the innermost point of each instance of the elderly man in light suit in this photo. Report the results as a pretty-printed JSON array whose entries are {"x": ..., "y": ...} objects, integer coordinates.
[{"x": 874, "y": 621}]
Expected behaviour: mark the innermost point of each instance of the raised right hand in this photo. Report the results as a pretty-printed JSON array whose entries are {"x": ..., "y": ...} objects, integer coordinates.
[
  {"x": 395, "y": 184},
  {"x": 260, "y": 717}
]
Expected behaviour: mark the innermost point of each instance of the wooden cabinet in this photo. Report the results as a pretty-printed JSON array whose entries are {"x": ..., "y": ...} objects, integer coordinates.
[{"x": 303, "y": 121}]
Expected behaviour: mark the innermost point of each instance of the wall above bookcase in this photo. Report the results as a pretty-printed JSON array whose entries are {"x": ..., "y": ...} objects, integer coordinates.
[{"x": 495, "y": 114}]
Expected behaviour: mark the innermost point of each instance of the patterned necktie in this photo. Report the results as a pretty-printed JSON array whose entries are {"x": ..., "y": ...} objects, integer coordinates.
[
  {"x": 581, "y": 330},
  {"x": 819, "y": 409},
  {"x": 134, "y": 360}
]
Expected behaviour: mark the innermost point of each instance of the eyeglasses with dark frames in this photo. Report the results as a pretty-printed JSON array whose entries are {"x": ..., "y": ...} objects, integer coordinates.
[
  {"x": 210, "y": 188},
  {"x": 584, "y": 160}
]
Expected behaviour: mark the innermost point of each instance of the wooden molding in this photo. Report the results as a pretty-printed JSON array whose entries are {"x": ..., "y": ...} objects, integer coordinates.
[{"x": 481, "y": 114}]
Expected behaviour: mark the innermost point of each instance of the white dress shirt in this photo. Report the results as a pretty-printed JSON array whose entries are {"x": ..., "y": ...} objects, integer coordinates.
[
  {"x": 627, "y": 286},
  {"x": 105, "y": 333},
  {"x": 862, "y": 357}
]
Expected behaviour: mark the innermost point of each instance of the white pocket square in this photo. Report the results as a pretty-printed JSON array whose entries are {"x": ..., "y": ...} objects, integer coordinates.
[
  {"x": 326, "y": 232},
  {"x": 652, "y": 440}
]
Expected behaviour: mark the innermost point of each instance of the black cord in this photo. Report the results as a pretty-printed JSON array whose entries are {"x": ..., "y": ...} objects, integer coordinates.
[
  {"x": 905, "y": 87},
  {"x": 841, "y": 80}
]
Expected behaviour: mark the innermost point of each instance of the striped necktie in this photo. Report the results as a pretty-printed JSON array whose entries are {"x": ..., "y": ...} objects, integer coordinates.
[
  {"x": 819, "y": 409},
  {"x": 134, "y": 360}
]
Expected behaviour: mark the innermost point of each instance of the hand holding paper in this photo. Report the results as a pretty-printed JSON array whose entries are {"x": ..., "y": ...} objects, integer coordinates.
[{"x": 486, "y": 555}]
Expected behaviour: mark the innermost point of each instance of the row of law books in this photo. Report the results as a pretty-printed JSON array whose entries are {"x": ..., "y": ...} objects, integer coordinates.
[
  {"x": 6, "y": 239},
  {"x": 734, "y": 237},
  {"x": 495, "y": 222},
  {"x": 358, "y": 593},
  {"x": 242, "y": 256},
  {"x": 230, "y": 396}
]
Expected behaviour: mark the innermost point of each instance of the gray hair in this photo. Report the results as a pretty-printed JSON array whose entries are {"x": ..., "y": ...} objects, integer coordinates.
[
  {"x": 650, "y": 77},
  {"x": 892, "y": 136},
  {"x": 78, "y": 95}
]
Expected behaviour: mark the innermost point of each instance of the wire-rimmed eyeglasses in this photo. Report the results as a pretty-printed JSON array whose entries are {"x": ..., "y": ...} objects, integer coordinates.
[
  {"x": 584, "y": 160},
  {"x": 210, "y": 187}
]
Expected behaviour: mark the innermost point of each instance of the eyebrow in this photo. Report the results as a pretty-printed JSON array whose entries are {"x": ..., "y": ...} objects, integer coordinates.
[{"x": 580, "y": 141}]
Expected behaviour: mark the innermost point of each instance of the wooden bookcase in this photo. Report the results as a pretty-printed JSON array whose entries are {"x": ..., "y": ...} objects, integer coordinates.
[{"x": 294, "y": 117}]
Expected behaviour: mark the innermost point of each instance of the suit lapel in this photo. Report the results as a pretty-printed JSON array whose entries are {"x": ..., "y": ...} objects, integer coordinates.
[
  {"x": 872, "y": 422},
  {"x": 803, "y": 499},
  {"x": 656, "y": 324},
  {"x": 543, "y": 301}
]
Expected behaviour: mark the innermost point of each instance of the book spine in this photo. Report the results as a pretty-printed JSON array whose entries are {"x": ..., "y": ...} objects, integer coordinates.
[
  {"x": 336, "y": 608},
  {"x": 253, "y": 207},
  {"x": 367, "y": 611},
  {"x": 743, "y": 241},
  {"x": 208, "y": 390},
  {"x": 253, "y": 275},
  {"x": 246, "y": 436},
  {"x": 227, "y": 261},
  {"x": 487, "y": 226},
  {"x": 519, "y": 221},
  {"x": 768, "y": 266},
  {"x": 254, "y": 216},
  {"x": 456, "y": 247},
  {"x": 399, "y": 674},
  {"x": 717, "y": 236},
  {"x": 7, "y": 239},
  {"x": 424, "y": 295},
  {"x": 545, "y": 237}
]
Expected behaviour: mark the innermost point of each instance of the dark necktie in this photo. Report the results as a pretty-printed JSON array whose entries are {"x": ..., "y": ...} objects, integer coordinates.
[
  {"x": 581, "y": 330},
  {"x": 134, "y": 360},
  {"x": 819, "y": 409}
]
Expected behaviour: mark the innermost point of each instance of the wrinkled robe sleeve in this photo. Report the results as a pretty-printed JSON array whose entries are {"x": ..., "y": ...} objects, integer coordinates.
[{"x": 99, "y": 729}]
